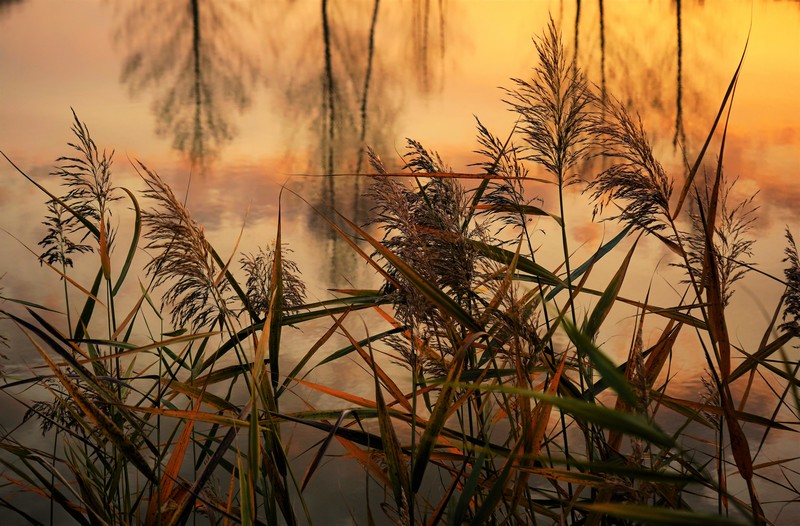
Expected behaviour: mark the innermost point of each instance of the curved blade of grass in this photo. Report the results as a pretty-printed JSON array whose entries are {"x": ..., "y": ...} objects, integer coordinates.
[
  {"x": 137, "y": 229},
  {"x": 690, "y": 178},
  {"x": 659, "y": 515},
  {"x": 608, "y": 371},
  {"x": 88, "y": 308},
  {"x": 672, "y": 313},
  {"x": 321, "y": 451},
  {"x": 29, "y": 304},
  {"x": 671, "y": 402},
  {"x": 504, "y": 256},
  {"x": 522, "y": 209},
  {"x": 608, "y": 297},
  {"x": 344, "y": 351},
  {"x": 594, "y": 258},
  {"x": 85, "y": 222},
  {"x": 630, "y": 424},
  {"x": 363, "y": 438}
]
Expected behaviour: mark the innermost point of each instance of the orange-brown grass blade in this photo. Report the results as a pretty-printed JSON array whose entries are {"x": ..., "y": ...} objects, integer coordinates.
[
  {"x": 365, "y": 459},
  {"x": 201, "y": 395},
  {"x": 744, "y": 416},
  {"x": 198, "y": 416},
  {"x": 170, "y": 476},
  {"x": 398, "y": 395},
  {"x": 363, "y": 402},
  {"x": 398, "y": 474}
]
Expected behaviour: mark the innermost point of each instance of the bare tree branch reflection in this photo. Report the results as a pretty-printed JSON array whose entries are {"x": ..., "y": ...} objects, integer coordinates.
[
  {"x": 199, "y": 59},
  {"x": 7, "y": 5},
  {"x": 679, "y": 131}
]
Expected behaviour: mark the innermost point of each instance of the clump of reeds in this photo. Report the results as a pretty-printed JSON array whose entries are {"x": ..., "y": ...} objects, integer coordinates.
[
  {"x": 427, "y": 228},
  {"x": 513, "y": 413}
]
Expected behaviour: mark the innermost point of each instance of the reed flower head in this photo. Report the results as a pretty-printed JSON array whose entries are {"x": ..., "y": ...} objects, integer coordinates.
[
  {"x": 556, "y": 110},
  {"x": 504, "y": 202},
  {"x": 258, "y": 268},
  {"x": 732, "y": 244},
  {"x": 87, "y": 176},
  {"x": 428, "y": 229},
  {"x": 792, "y": 295},
  {"x": 183, "y": 259},
  {"x": 636, "y": 182},
  {"x": 58, "y": 242}
]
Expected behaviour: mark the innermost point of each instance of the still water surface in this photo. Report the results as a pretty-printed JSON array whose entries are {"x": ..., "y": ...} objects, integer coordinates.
[{"x": 233, "y": 98}]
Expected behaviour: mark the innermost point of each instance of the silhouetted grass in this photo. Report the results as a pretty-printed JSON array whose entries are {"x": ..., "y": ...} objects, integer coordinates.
[{"x": 510, "y": 412}]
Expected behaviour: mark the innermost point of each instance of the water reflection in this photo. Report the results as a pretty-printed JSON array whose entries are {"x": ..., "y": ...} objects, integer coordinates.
[
  {"x": 6, "y": 5},
  {"x": 680, "y": 134},
  {"x": 346, "y": 86},
  {"x": 199, "y": 59}
]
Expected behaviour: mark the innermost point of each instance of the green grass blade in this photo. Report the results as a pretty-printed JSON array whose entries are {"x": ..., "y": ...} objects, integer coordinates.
[
  {"x": 690, "y": 178},
  {"x": 137, "y": 230},
  {"x": 608, "y": 298},
  {"x": 88, "y": 308},
  {"x": 658, "y": 515},
  {"x": 608, "y": 371}
]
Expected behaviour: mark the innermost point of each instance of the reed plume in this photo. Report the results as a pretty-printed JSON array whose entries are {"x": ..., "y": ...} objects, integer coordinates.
[
  {"x": 558, "y": 122},
  {"x": 504, "y": 199},
  {"x": 636, "y": 181},
  {"x": 183, "y": 260},
  {"x": 87, "y": 176},
  {"x": 258, "y": 268},
  {"x": 428, "y": 229},
  {"x": 731, "y": 241},
  {"x": 792, "y": 295},
  {"x": 58, "y": 243}
]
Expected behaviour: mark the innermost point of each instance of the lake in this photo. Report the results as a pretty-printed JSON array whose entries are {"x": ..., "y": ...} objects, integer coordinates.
[{"x": 231, "y": 100}]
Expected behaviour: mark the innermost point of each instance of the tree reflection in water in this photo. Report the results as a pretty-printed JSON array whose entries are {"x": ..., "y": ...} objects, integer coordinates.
[
  {"x": 199, "y": 59},
  {"x": 6, "y": 5}
]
